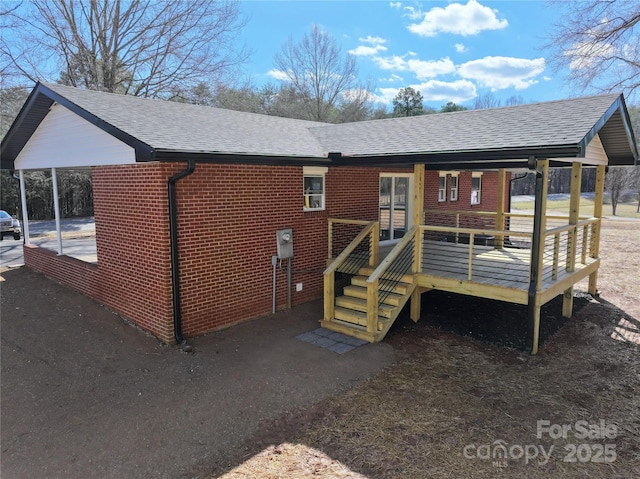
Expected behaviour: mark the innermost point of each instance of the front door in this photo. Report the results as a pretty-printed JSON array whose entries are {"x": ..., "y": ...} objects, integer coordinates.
[{"x": 394, "y": 205}]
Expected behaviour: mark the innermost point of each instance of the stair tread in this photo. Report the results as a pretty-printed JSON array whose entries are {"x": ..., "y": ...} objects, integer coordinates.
[{"x": 363, "y": 301}]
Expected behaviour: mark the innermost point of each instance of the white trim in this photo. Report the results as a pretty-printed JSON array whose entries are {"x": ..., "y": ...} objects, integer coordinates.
[
  {"x": 479, "y": 195},
  {"x": 65, "y": 140},
  {"x": 317, "y": 172},
  {"x": 452, "y": 189},
  {"x": 408, "y": 202},
  {"x": 25, "y": 213},
  {"x": 442, "y": 186},
  {"x": 56, "y": 208}
]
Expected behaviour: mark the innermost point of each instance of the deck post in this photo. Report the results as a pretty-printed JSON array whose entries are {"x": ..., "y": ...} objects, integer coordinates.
[
  {"x": 500, "y": 203},
  {"x": 537, "y": 250},
  {"x": 372, "y": 306},
  {"x": 374, "y": 245},
  {"x": 418, "y": 194},
  {"x": 597, "y": 213},
  {"x": 574, "y": 217},
  {"x": 329, "y": 296},
  {"x": 418, "y": 220}
]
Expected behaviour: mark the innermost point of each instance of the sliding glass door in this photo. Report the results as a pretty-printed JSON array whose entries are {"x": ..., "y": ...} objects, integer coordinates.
[{"x": 394, "y": 205}]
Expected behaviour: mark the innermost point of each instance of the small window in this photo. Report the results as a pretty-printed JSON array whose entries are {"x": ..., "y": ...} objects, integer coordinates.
[
  {"x": 476, "y": 188},
  {"x": 454, "y": 188},
  {"x": 442, "y": 188},
  {"x": 313, "y": 188}
]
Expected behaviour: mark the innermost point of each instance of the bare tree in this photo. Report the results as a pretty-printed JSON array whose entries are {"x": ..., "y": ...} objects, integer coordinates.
[
  {"x": 318, "y": 71},
  {"x": 617, "y": 180},
  {"x": 598, "y": 41},
  {"x": 514, "y": 100},
  {"x": 136, "y": 47},
  {"x": 486, "y": 100}
]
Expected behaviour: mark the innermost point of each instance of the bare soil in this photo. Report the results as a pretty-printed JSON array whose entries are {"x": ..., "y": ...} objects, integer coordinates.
[{"x": 467, "y": 400}]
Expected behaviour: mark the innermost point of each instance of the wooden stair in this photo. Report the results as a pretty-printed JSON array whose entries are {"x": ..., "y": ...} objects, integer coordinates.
[{"x": 350, "y": 314}]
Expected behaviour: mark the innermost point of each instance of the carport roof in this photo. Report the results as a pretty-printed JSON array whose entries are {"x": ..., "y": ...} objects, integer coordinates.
[{"x": 163, "y": 130}]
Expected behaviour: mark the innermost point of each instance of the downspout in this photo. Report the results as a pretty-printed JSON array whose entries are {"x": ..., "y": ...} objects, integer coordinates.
[
  {"x": 175, "y": 262},
  {"x": 511, "y": 188}
]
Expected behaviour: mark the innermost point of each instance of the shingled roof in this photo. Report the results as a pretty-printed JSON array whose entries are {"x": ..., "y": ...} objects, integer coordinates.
[
  {"x": 555, "y": 129},
  {"x": 162, "y": 130}
]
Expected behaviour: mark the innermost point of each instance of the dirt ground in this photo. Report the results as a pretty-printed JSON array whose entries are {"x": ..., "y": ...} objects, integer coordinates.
[
  {"x": 466, "y": 400},
  {"x": 458, "y": 395}
]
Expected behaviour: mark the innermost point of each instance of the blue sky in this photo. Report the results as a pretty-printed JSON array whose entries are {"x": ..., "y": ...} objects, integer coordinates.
[{"x": 449, "y": 50}]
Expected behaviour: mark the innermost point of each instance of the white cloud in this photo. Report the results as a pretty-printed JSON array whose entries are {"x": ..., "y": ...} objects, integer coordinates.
[
  {"x": 278, "y": 75},
  {"x": 460, "y": 47},
  {"x": 376, "y": 45},
  {"x": 433, "y": 90},
  {"x": 584, "y": 54},
  {"x": 395, "y": 4},
  {"x": 455, "y": 91},
  {"x": 430, "y": 69},
  {"x": 387, "y": 95},
  {"x": 499, "y": 73},
  {"x": 412, "y": 13},
  {"x": 365, "y": 51},
  {"x": 373, "y": 40},
  {"x": 392, "y": 79},
  {"x": 469, "y": 19},
  {"x": 391, "y": 63}
]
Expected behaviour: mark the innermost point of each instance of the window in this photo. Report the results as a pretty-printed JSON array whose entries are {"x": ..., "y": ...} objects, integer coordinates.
[
  {"x": 442, "y": 188},
  {"x": 313, "y": 188},
  {"x": 476, "y": 188},
  {"x": 454, "y": 187}
]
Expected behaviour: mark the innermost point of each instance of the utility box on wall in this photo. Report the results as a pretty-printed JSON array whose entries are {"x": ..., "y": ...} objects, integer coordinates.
[{"x": 284, "y": 240}]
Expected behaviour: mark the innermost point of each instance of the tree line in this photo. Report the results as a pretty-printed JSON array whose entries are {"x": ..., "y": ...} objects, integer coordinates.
[{"x": 189, "y": 52}]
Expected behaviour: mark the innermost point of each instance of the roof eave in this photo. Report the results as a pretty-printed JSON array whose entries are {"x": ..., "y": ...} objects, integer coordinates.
[
  {"x": 618, "y": 105},
  {"x": 240, "y": 158},
  {"x": 143, "y": 151},
  {"x": 480, "y": 159}
]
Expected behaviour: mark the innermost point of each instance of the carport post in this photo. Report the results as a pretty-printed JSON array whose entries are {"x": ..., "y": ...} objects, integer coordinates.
[
  {"x": 56, "y": 208},
  {"x": 25, "y": 215}
]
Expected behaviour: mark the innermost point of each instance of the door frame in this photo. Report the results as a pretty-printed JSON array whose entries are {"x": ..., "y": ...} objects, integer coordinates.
[{"x": 408, "y": 202}]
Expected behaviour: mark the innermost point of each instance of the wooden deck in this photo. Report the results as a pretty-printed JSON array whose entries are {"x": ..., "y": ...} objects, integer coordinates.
[
  {"x": 478, "y": 261},
  {"x": 502, "y": 274}
]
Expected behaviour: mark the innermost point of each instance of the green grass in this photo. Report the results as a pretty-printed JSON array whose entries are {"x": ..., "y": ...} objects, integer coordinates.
[{"x": 624, "y": 210}]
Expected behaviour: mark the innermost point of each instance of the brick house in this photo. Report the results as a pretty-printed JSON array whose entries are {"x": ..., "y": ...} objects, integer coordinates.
[{"x": 188, "y": 199}]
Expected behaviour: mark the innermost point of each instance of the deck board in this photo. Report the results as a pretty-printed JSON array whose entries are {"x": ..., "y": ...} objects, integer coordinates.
[{"x": 504, "y": 268}]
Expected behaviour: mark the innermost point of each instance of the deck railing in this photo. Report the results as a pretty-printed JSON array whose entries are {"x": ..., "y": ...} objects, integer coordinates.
[
  {"x": 569, "y": 245},
  {"x": 478, "y": 241},
  {"x": 362, "y": 250},
  {"x": 388, "y": 274},
  {"x": 565, "y": 245}
]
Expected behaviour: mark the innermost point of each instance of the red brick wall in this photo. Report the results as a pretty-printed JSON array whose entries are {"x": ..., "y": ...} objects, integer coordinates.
[
  {"x": 133, "y": 274},
  {"x": 227, "y": 221}
]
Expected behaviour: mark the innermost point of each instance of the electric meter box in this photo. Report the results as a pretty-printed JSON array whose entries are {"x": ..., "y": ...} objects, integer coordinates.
[{"x": 284, "y": 240}]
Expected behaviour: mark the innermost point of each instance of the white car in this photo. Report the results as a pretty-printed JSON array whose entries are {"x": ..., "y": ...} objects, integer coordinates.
[{"x": 9, "y": 226}]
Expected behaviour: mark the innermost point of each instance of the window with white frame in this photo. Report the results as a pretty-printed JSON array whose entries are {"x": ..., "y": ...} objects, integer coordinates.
[
  {"x": 453, "y": 195},
  {"x": 313, "y": 188},
  {"x": 476, "y": 188},
  {"x": 442, "y": 187}
]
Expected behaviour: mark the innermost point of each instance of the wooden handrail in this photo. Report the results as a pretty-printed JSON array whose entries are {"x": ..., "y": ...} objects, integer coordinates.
[
  {"x": 391, "y": 257},
  {"x": 349, "y": 222},
  {"x": 562, "y": 229},
  {"x": 349, "y": 249},
  {"x": 450, "y": 229},
  {"x": 493, "y": 213}
]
